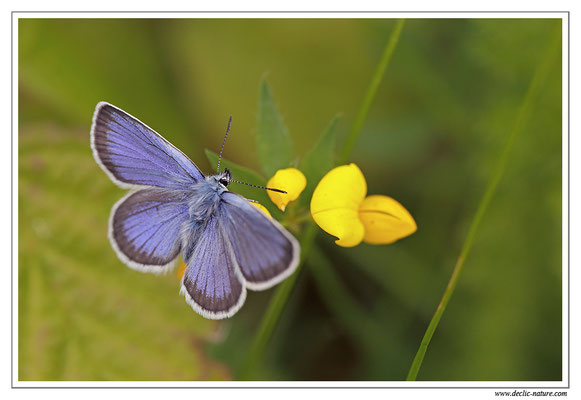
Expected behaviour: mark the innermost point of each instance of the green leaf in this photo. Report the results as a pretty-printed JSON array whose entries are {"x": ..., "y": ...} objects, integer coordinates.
[
  {"x": 275, "y": 149},
  {"x": 84, "y": 315},
  {"x": 319, "y": 160},
  {"x": 246, "y": 175}
]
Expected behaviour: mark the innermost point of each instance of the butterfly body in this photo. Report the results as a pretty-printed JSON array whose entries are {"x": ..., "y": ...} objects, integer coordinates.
[
  {"x": 204, "y": 197},
  {"x": 227, "y": 244},
  {"x": 204, "y": 202}
]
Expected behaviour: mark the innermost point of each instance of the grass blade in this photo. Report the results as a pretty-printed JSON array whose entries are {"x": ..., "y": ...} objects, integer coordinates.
[
  {"x": 370, "y": 94},
  {"x": 523, "y": 114}
]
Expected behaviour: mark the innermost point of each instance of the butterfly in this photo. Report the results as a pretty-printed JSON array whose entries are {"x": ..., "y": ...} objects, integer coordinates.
[{"x": 227, "y": 244}]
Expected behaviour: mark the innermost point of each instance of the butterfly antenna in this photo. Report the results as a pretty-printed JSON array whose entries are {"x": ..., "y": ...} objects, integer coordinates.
[
  {"x": 259, "y": 187},
  {"x": 223, "y": 143}
]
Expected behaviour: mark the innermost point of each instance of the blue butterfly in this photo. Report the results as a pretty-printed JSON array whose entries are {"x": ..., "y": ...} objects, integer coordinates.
[{"x": 228, "y": 245}]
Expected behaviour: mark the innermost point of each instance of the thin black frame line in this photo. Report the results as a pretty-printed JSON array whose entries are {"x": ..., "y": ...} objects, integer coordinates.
[
  {"x": 292, "y": 387},
  {"x": 12, "y": 200},
  {"x": 291, "y": 12},
  {"x": 568, "y": 13}
]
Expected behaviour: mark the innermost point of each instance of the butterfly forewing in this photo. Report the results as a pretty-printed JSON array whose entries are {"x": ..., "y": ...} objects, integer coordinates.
[{"x": 131, "y": 153}]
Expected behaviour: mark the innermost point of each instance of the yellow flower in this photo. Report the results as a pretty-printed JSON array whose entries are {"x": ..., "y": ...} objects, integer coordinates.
[
  {"x": 339, "y": 207},
  {"x": 261, "y": 208},
  {"x": 292, "y": 181}
]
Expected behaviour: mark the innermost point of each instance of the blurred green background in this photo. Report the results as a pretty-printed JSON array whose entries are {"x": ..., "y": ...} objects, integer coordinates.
[{"x": 436, "y": 128}]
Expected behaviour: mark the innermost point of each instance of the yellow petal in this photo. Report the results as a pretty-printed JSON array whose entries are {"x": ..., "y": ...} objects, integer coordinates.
[
  {"x": 343, "y": 224},
  {"x": 385, "y": 220},
  {"x": 261, "y": 208},
  {"x": 292, "y": 181},
  {"x": 335, "y": 204}
]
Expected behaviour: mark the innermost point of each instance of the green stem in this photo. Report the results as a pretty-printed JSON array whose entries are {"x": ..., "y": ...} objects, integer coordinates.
[
  {"x": 524, "y": 112},
  {"x": 296, "y": 220},
  {"x": 275, "y": 308},
  {"x": 370, "y": 94}
]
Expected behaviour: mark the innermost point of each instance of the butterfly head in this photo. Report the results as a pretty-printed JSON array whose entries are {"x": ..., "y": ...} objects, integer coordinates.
[{"x": 225, "y": 177}]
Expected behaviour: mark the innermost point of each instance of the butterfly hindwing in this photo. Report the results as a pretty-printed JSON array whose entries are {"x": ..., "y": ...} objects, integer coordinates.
[
  {"x": 266, "y": 252},
  {"x": 132, "y": 154},
  {"x": 212, "y": 283},
  {"x": 145, "y": 226}
]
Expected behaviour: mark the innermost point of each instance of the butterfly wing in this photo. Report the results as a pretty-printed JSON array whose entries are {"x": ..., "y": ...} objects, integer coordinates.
[
  {"x": 237, "y": 247},
  {"x": 132, "y": 153},
  {"x": 145, "y": 226},
  {"x": 266, "y": 252},
  {"x": 212, "y": 284}
]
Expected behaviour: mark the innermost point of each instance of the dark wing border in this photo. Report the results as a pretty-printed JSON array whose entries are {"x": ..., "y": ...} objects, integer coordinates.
[
  {"x": 241, "y": 299},
  {"x": 296, "y": 249}
]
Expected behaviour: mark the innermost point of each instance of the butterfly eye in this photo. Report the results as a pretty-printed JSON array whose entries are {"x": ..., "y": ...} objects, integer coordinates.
[{"x": 226, "y": 178}]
